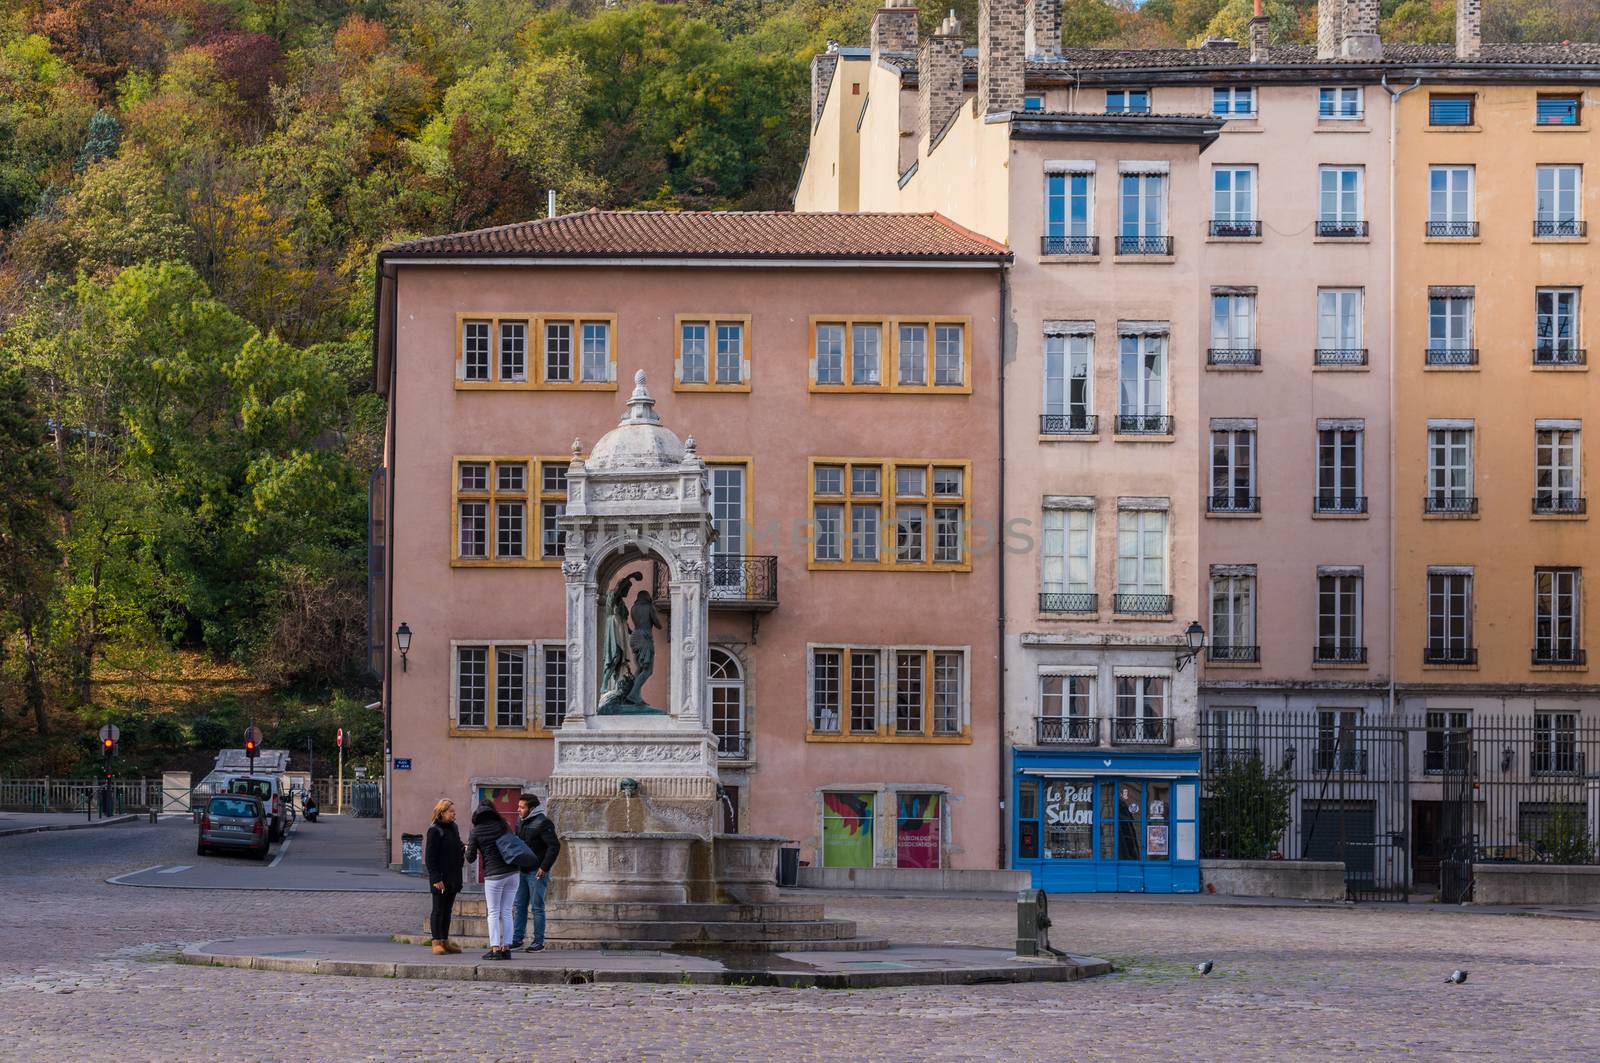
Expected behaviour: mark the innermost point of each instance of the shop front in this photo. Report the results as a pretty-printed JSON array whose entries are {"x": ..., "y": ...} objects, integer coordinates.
[{"x": 1107, "y": 821}]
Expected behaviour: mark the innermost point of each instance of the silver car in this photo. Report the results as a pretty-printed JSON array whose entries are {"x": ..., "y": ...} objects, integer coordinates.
[{"x": 235, "y": 821}]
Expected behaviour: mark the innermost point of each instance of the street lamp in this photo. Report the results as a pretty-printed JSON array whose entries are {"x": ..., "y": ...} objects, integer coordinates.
[
  {"x": 1195, "y": 638},
  {"x": 402, "y": 641}
]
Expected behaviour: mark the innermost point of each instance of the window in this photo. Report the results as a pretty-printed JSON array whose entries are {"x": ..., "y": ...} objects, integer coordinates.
[
  {"x": 866, "y": 343},
  {"x": 1555, "y": 745},
  {"x": 1556, "y": 484},
  {"x": 864, "y": 691},
  {"x": 514, "y": 351},
  {"x": 1342, "y": 103},
  {"x": 554, "y": 661},
  {"x": 558, "y": 352},
  {"x": 497, "y": 490},
  {"x": 847, "y": 829},
  {"x": 510, "y": 512},
  {"x": 1447, "y": 742},
  {"x": 1339, "y": 618},
  {"x": 1450, "y": 471},
  {"x": 692, "y": 353},
  {"x": 1450, "y": 109},
  {"x": 1555, "y": 332},
  {"x": 472, "y": 512},
  {"x": 1339, "y": 203},
  {"x": 1233, "y": 329},
  {"x": 1067, "y": 562},
  {"x": 1339, "y": 469},
  {"x": 726, "y": 683},
  {"x": 596, "y": 352},
  {"x": 1142, "y": 384},
  {"x": 1230, "y": 735},
  {"x": 1339, "y": 746},
  {"x": 1450, "y": 330},
  {"x": 1233, "y": 616},
  {"x": 495, "y": 352},
  {"x": 1557, "y": 201},
  {"x": 1450, "y": 201},
  {"x": 475, "y": 350},
  {"x": 552, "y": 507},
  {"x": 910, "y": 690},
  {"x": 472, "y": 686},
  {"x": 825, "y": 690},
  {"x": 1339, "y": 327},
  {"x": 511, "y": 686},
  {"x": 1142, "y": 561},
  {"x": 1127, "y": 101},
  {"x": 1066, "y": 709},
  {"x": 949, "y": 359},
  {"x": 913, "y": 359},
  {"x": 1033, "y": 104},
  {"x": 1233, "y": 201},
  {"x": 728, "y": 496},
  {"x": 1449, "y": 618},
  {"x": 928, "y": 355},
  {"x": 927, "y": 688},
  {"x": 1141, "y": 711},
  {"x": 1068, "y": 384},
  {"x": 1557, "y": 605},
  {"x": 926, "y": 505},
  {"x": 1236, "y": 101},
  {"x": 1233, "y": 470},
  {"x": 1069, "y": 214},
  {"x": 1558, "y": 110},
  {"x": 1141, "y": 212},
  {"x": 490, "y": 687}
]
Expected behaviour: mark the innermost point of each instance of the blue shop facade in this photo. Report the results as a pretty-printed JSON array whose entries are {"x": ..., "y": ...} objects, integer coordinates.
[{"x": 1107, "y": 820}]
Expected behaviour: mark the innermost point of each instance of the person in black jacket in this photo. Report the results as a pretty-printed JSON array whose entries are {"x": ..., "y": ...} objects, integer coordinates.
[
  {"x": 442, "y": 856},
  {"x": 499, "y": 877},
  {"x": 536, "y": 830}
]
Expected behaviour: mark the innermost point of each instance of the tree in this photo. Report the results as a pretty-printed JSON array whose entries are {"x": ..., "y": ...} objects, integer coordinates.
[
  {"x": 1248, "y": 810},
  {"x": 30, "y": 505}
]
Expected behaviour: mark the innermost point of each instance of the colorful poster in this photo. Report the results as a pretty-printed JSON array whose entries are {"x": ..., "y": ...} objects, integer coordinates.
[
  {"x": 847, "y": 830},
  {"x": 504, "y": 799},
  {"x": 1157, "y": 840},
  {"x": 916, "y": 839}
]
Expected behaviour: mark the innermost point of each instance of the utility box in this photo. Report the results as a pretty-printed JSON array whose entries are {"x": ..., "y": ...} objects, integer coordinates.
[{"x": 1033, "y": 924}]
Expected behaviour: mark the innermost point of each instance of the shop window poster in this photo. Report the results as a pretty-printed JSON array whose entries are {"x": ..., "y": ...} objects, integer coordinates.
[
  {"x": 847, "y": 830},
  {"x": 917, "y": 831}
]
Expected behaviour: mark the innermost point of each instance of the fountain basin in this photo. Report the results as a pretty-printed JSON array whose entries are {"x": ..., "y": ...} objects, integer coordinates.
[
  {"x": 615, "y": 866},
  {"x": 745, "y": 867}
]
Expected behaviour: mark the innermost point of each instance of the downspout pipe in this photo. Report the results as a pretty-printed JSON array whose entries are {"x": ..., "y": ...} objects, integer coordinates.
[
  {"x": 1002, "y": 740},
  {"x": 387, "y": 272}
]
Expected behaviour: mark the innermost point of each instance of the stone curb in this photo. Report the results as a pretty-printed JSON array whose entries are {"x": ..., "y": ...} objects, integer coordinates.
[{"x": 11, "y": 832}]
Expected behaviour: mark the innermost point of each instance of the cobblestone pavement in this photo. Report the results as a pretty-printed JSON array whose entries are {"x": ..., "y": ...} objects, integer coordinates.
[{"x": 85, "y": 975}]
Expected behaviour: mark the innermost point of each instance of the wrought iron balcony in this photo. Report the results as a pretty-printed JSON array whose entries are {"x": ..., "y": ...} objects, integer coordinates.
[
  {"x": 1453, "y": 756},
  {"x": 1341, "y": 356},
  {"x": 1233, "y": 356},
  {"x": 739, "y": 583},
  {"x": 1069, "y": 245},
  {"x": 1338, "y": 653},
  {"x": 1144, "y": 245},
  {"x": 1145, "y": 604},
  {"x": 1228, "y": 502},
  {"x": 1453, "y": 228},
  {"x": 1571, "y": 656},
  {"x": 1560, "y": 353},
  {"x": 1220, "y": 757},
  {"x": 1563, "y": 227},
  {"x": 1067, "y": 731},
  {"x": 1462, "y": 655},
  {"x": 1339, "y": 503},
  {"x": 1145, "y": 731},
  {"x": 1068, "y": 424},
  {"x": 1452, "y": 356},
  {"x": 1235, "y": 227},
  {"x": 734, "y": 746},
  {"x": 1061, "y": 602},
  {"x": 1340, "y": 757},
  {"x": 1233, "y": 654},
  {"x": 1450, "y": 505},
  {"x": 1340, "y": 230},
  {"x": 1548, "y": 503},
  {"x": 1144, "y": 424},
  {"x": 1557, "y": 761}
]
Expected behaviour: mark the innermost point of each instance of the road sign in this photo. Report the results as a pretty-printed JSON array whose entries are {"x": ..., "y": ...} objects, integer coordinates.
[
  {"x": 361, "y": 773},
  {"x": 110, "y": 733},
  {"x": 253, "y": 734},
  {"x": 338, "y": 739},
  {"x": 402, "y": 763}
]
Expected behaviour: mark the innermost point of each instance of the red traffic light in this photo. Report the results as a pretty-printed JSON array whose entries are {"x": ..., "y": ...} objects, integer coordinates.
[
  {"x": 106, "y": 744},
  {"x": 249, "y": 745}
]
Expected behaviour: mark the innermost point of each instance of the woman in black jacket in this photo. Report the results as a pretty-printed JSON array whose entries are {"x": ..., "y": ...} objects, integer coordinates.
[
  {"x": 499, "y": 878},
  {"x": 442, "y": 855}
]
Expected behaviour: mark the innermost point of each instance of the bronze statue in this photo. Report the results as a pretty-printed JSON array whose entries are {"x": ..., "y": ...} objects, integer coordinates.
[
  {"x": 616, "y": 682},
  {"x": 643, "y": 644}
]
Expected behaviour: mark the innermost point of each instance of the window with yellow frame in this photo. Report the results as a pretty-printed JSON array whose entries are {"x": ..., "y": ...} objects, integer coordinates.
[
  {"x": 887, "y": 693},
  {"x": 504, "y": 688},
  {"x": 534, "y": 351},
  {"x": 890, "y": 514},
  {"x": 912, "y": 354},
  {"x": 713, "y": 353},
  {"x": 504, "y": 509}
]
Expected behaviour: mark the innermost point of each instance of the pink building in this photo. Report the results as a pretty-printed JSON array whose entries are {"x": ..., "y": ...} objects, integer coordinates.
[{"x": 839, "y": 374}]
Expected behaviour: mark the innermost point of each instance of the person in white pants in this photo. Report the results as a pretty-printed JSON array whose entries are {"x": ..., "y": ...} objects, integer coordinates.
[{"x": 499, "y": 878}]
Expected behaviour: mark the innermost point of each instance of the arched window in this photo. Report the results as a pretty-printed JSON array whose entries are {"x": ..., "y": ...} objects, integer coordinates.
[{"x": 726, "y": 680}]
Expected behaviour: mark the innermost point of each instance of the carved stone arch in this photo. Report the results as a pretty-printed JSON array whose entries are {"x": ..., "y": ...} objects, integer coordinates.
[{"x": 604, "y": 562}]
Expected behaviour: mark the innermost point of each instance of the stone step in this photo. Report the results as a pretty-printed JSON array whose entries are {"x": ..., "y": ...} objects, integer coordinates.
[
  {"x": 841, "y": 945},
  {"x": 651, "y": 912},
  {"x": 671, "y": 930}
]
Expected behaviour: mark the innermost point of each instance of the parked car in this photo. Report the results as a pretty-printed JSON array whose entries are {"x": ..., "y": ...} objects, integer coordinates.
[
  {"x": 271, "y": 794},
  {"x": 235, "y": 821}
]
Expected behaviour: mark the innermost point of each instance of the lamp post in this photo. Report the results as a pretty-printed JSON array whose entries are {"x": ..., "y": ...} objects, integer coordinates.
[
  {"x": 1195, "y": 638},
  {"x": 402, "y": 642}
]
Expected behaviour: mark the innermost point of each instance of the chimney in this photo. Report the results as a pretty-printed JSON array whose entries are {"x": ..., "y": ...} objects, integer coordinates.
[
  {"x": 1330, "y": 28},
  {"x": 1259, "y": 27},
  {"x": 940, "y": 68},
  {"x": 894, "y": 28},
  {"x": 1469, "y": 28},
  {"x": 823, "y": 67},
  {"x": 1361, "y": 39},
  {"x": 1002, "y": 39},
  {"x": 1043, "y": 20}
]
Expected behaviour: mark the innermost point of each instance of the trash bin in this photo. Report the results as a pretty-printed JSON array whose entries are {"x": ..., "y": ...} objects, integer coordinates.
[
  {"x": 789, "y": 865},
  {"x": 411, "y": 854},
  {"x": 366, "y": 800}
]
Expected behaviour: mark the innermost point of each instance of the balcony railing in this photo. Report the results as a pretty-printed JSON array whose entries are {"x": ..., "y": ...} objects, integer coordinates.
[
  {"x": 1462, "y": 655},
  {"x": 1067, "y": 730},
  {"x": 740, "y": 582},
  {"x": 1570, "y": 656},
  {"x": 1233, "y": 654},
  {"x": 1146, "y": 731},
  {"x": 1228, "y": 502},
  {"x": 1450, "y": 505},
  {"x": 1452, "y": 356},
  {"x": 1068, "y": 424},
  {"x": 1341, "y": 230},
  {"x": 1341, "y": 356},
  {"x": 1338, "y": 653},
  {"x": 1233, "y": 356},
  {"x": 1334, "y": 756},
  {"x": 1235, "y": 227},
  {"x": 1064, "y": 602},
  {"x": 1144, "y": 424},
  {"x": 1069, "y": 245},
  {"x": 1452, "y": 228},
  {"x": 1339, "y": 503},
  {"x": 1564, "y": 227},
  {"x": 1557, "y": 761},
  {"x": 734, "y": 746},
  {"x": 1144, "y": 245},
  {"x": 1550, "y": 504},
  {"x": 1559, "y": 354},
  {"x": 1148, "y": 604},
  {"x": 1220, "y": 757}
]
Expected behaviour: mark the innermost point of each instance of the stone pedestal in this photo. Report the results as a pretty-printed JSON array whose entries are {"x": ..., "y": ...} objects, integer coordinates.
[{"x": 613, "y": 866}]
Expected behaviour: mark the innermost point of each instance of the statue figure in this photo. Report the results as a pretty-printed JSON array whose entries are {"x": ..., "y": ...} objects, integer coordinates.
[
  {"x": 616, "y": 681},
  {"x": 643, "y": 644}
]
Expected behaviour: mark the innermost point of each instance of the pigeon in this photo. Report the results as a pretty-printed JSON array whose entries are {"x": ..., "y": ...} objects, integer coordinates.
[
  {"x": 1457, "y": 977},
  {"x": 1205, "y": 968}
]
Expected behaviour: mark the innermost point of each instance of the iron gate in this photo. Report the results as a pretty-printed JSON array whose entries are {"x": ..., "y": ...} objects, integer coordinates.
[{"x": 1457, "y": 839}]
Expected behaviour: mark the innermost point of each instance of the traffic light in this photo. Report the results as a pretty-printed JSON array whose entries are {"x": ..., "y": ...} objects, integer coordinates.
[
  {"x": 249, "y": 746},
  {"x": 107, "y": 745}
]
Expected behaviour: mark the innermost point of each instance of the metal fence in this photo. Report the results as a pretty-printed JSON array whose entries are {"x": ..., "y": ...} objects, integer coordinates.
[{"x": 77, "y": 795}]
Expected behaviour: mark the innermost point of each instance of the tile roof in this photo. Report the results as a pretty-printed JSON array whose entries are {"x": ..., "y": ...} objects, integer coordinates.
[{"x": 718, "y": 234}]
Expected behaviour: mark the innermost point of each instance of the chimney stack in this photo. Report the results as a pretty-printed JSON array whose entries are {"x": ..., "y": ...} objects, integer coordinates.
[
  {"x": 1043, "y": 20},
  {"x": 939, "y": 78},
  {"x": 823, "y": 67},
  {"x": 1259, "y": 27},
  {"x": 894, "y": 28},
  {"x": 1469, "y": 28},
  {"x": 1002, "y": 39},
  {"x": 1330, "y": 28},
  {"x": 1361, "y": 39}
]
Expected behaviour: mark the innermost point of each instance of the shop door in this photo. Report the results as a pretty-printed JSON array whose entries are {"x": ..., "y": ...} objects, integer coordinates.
[
  {"x": 1121, "y": 816},
  {"x": 1426, "y": 842}
]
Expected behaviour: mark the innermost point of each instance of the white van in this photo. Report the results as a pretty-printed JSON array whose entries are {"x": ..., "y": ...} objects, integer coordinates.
[{"x": 270, "y": 791}]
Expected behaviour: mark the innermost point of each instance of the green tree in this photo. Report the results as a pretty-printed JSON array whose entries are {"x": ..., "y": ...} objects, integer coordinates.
[
  {"x": 30, "y": 510},
  {"x": 1247, "y": 811}
]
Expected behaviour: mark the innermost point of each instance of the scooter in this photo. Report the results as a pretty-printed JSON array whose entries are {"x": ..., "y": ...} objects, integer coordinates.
[{"x": 310, "y": 809}]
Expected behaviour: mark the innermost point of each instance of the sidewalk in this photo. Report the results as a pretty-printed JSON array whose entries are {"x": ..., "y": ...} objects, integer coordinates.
[{"x": 12, "y": 823}]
